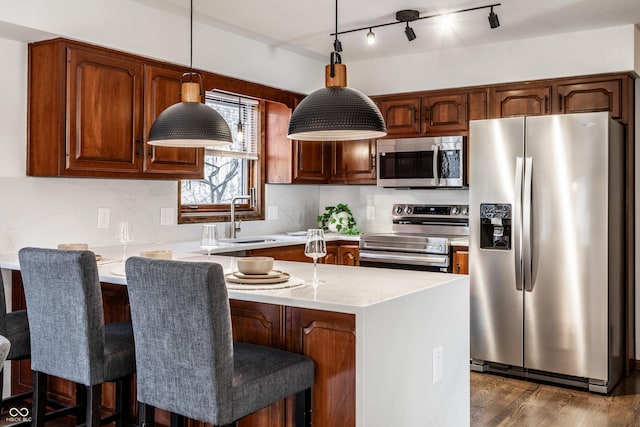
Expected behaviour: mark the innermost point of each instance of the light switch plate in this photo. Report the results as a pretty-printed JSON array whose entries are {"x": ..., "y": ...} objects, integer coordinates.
[
  {"x": 167, "y": 216},
  {"x": 104, "y": 217},
  {"x": 272, "y": 213},
  {"x": 437, "y": 364},
  {"x": 371, "y": 213}
]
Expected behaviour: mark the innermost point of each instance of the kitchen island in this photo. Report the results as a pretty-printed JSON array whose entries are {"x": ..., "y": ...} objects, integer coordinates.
[{"x": 391, "y": 347}]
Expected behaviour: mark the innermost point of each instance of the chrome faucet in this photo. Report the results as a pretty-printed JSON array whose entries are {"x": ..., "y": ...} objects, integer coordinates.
[{"x": 235, "y": 227}]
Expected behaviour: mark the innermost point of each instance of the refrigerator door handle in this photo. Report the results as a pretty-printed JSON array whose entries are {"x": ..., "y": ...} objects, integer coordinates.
[
  {"x": 517, "y": 224},
  {"x": 526, "y": 225},
  {"x": 436, "y": 175}
]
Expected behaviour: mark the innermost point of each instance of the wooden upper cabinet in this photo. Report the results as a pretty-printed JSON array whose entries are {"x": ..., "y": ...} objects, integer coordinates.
[
  {"x": 401, "y": 115},
  {"x": 90, "y": 110},
  {"x": 354, "y": 162},
  {"x": 311, "y": 161},
  {"x": 446, "y": 113},
  {"x": 162, "y": 89},
  {"x": 516, "y": 101},
  {"x": 591, "y": 96},
  {"x": 104, "y": 102}
]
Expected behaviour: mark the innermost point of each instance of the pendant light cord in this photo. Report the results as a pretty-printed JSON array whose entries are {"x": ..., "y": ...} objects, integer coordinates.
[
  {"x": 337, "y": 47},
  {"x": 191, "y": 42}
]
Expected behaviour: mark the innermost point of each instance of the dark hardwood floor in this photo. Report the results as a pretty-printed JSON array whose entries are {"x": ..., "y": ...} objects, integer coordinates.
[{"x": 503, "y": 401}]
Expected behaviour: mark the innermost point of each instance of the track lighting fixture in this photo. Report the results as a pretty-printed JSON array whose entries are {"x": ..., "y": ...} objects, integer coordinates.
[
  {"x": 371, "y": 37},
  {"x": 336, "y": 112},
  {"x": 408, "y": 16},
  {"x": 493, "y": 19},
  {"x": 411, "y": 35}
]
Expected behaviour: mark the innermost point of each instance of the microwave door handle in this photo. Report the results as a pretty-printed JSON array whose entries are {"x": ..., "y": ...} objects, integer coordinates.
[
  {"x": 517, "y": 223},
  {"x": 436, "y": 175}
]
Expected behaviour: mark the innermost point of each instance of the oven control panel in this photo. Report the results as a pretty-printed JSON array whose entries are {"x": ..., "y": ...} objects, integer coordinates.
[{"x": 408, "y": 210}]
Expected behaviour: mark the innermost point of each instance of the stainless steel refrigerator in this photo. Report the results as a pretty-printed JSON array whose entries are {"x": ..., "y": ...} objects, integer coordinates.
[{"x": 546, "y": 252}]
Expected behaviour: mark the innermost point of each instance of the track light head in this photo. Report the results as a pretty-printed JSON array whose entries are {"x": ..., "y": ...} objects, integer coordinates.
[
  {"x": 411, "y": 35},
  {"x": 371, "y": 37},
  {"x": 493, "y": 19}
]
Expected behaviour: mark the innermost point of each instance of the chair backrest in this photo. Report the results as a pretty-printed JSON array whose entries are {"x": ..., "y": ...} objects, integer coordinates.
[
  {"x": 3, "y": 309},
  {"x": 64, "y": 306},
  {"x": 182, "y": 332}
]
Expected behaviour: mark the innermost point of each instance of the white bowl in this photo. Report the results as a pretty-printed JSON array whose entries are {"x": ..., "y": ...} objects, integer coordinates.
[
  {"x": 74, "y": 246},
  {"x": 255, "y": 264},
  {"x": 157, "y": 253}
]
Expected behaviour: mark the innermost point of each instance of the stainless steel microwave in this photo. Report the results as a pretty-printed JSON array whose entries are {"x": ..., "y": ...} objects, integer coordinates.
[{"x": 439, "y": 162}]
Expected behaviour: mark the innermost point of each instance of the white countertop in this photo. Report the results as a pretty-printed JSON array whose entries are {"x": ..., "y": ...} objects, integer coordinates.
[{"x": 346, "y": 289}]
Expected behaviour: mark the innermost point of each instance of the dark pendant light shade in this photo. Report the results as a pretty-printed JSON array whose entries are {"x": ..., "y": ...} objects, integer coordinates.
[
  {"x": 190, "y": 124},
  {"x": 336, "y": 112}
]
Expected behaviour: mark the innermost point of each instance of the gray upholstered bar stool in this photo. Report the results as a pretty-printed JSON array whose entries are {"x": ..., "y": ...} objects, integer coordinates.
[
  {"x": 14, "y": 327},
  {"x": 187, "y": 362},
  {"x": 5, "y": 346},
  {"x": 69, "y": 338}
]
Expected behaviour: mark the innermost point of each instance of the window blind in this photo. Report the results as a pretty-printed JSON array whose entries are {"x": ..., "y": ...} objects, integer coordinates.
[{"x": 236, "y": 108}]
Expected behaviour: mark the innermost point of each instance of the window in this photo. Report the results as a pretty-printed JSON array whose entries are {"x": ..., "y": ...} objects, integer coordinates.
[{"x": 228, "y": 172}]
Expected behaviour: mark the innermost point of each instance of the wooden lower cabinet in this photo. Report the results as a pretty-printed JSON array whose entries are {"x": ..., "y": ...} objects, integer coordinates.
[
  {"x": 338, "y": 253},
  {"x": 460, "y": 260},
  {"x": 329, "y": 339}
]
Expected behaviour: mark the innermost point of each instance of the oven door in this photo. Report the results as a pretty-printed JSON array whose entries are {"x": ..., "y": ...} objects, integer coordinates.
[
  {"x": 405, "y": 260},
  {"x": 421, "y": 162}
]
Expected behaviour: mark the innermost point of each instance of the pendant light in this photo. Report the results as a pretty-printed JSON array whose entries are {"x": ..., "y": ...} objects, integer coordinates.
[
  {"x": 336, "y": 112},
  {"x": 239, "y": 130},
  {"x": 190, "y": 123}
]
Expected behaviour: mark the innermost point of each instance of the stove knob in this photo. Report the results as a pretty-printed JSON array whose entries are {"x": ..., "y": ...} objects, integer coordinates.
[
  {"x": 397, "y": 210},
  {"x": 465, "y": 211},
  {"x": 408, "y": 210},
  {"x": 441, "y": 248},
  {"x": 455, "y": 210}
]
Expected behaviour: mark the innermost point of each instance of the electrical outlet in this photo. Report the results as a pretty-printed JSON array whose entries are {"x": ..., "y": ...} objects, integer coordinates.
[
  {"x": 104, "y": 217},
  {"x": 437, "y": 364},
  {"x": 167, "y": 216},
  {"x": 272, "y": 213},
  {"x": 371, "y": 213}
]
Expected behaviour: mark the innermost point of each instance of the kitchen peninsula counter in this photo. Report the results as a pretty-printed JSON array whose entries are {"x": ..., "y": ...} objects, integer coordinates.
[{"x": 391, "y": 347}]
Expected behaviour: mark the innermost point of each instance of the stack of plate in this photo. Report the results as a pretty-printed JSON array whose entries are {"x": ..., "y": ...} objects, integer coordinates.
[{"x": 274, "y": 276}]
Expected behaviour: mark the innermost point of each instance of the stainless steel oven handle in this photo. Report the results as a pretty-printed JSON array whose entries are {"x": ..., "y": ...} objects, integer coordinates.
[
  {"x": 436, "y": 175},
  {"x": 417, "y": 259}
]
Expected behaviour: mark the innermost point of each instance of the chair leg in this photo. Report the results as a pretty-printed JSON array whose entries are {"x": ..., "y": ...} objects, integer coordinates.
[
  {"x": 303, "y": 408},
  {"x": 81, "y": 403},
  {"x": 177, "y": 420},
  {"x": 39, "y": 398},
  {"x": 146, "y": 415},
  {"x": 123, "y": 391},
  {"x": 94, "y": 398}
]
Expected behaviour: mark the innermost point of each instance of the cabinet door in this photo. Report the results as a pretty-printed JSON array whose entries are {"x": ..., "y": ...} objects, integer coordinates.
[
  {"x": 282, "y": 253},
  {"x": 461, "y": 261},
  {"x": 529, "y": 101},
  {"x": 332, "y": 254},
  {"x": 401, "y": 115},
  {"x": 353, "y": 162},
  {"x": 162, "y": 89},
  {"x": 592, "y": 96},
  {"x": 445, "y": 113},
  {"x": 311, "y": 161},
  {"x": 477, "y": 105},
  {"x": 104, "y": 109},
  {"x": 329, "y": 339},
  {"x": 261, "y": 324},
  {"x": 348, "y": 255}
]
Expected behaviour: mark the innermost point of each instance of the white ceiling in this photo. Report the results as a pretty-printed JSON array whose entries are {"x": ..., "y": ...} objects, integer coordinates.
[{"x": 304, "y": 26}]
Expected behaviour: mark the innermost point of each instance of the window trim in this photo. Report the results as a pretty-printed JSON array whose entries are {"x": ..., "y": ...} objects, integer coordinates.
[{"x": 222, "y": 212}]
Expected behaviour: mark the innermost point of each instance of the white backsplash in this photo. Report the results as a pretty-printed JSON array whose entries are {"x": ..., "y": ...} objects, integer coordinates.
[
  {"x": 48, "y": 211},
  {"x": 358, "y": 197}
]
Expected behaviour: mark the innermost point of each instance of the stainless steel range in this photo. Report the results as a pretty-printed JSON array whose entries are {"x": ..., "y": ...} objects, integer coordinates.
[{"x": 420, "y": 238}]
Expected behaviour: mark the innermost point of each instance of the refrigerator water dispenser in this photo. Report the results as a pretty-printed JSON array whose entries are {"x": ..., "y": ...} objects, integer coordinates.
[{"x": 495, "y": 226}]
